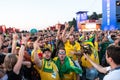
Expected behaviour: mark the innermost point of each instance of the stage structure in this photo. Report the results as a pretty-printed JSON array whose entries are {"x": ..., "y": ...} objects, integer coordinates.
[
  {"x": 83, "y": 24},
  {"x": 81, "y": 16}
]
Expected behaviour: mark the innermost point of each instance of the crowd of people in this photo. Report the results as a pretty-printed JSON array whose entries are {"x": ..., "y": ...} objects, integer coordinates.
[{"x": 60, "y": 55}]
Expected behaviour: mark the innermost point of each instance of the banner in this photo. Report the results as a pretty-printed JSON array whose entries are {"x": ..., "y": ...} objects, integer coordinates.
[{"x": 109, "y": 15}]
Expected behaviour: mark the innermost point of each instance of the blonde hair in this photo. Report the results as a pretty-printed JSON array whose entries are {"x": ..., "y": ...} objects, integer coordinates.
[{"x": 10, "y": 61}]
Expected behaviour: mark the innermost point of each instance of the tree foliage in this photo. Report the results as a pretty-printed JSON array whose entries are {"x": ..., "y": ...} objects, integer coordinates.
[
  {"x": 73, "y": 23},
  {"x": 94, "y": 16}
]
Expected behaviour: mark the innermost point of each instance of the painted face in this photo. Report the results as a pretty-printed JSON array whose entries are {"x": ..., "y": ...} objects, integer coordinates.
[{"x": 61, "y": 55}]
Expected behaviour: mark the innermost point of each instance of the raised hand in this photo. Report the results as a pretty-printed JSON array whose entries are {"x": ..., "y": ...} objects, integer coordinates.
[
  {"x": 66, "y": 25},
  {"x": 1, "y": 39},
  {"x": 72, "y": 28},
  {"x": 15, "y": 36},
  {"x": 25, "y": 39},
  {"x": 58, "y": 26},
  {"x": 36, "y": 44}
]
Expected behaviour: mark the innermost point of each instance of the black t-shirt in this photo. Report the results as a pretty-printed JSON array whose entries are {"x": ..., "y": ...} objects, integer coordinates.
[{"x": 13, "y": 76}]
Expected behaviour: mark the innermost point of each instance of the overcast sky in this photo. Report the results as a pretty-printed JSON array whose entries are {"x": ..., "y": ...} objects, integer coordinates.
[{"x": 39, "y": 14}]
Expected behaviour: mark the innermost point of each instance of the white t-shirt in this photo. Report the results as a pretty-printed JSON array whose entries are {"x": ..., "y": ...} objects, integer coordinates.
[
  {"x": 108, "y": 68},
  {"x": 113, "y": 75}
]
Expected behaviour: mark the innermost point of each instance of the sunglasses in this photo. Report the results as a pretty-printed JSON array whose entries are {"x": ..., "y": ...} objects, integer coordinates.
[{"x": 61, "y": 52}]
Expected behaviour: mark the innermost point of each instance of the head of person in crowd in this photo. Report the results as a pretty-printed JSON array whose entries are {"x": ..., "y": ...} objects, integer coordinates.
[
  {"x": 41, "y": 43},
  {"x": 47, "y": 53},
  {"x": 46, "y": 38},
  {"x": 4, "y": 48},
  {"x": 102, "y": 34},
  {"x": 10, "y": 61},
  {"x": 119, "y": 42},
  {"x": 61, "y": 54},
  {"x": 72, "y": 39},
  {"x": 30, "y": 44},
  {"x": 49, "y": 37},
  {"x": 77, "y": 36},
  {"x": 105, "y": 39},
  {"x": 86, "y": 37},
  {"x": 33, "y": 38},
  {"x": 2, "y": 57},
  {"x": 60, "y": 36},
  {"x": 113, "y": 37},
  {"x": 113, "y": 56},
  {"x": 116, "y": 41},
  {"x": 87, "y": 49}
]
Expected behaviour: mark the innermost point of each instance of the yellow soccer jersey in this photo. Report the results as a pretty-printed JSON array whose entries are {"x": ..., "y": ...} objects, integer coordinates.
[
  {"x": 86, "y": 63},
  {"x": 49, "y": 75},
  {"x": 69, "y": 48},
  {"x": 32, "y": 54},
  {"x": 71, "y": 75}
]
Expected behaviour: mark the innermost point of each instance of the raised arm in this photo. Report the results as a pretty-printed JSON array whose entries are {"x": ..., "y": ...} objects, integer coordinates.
[
  {"x": 1, "y": 41},
  {"x": 64, "y": 32},
  {"x": 18, "y": 65},
  {"x": 64, "y": 38},
  {"x": 27, "y": 64},
  {"x": 97, "y": 66},
  {"x": 71, "y": 30},
  {"x": 37, "y": 61},
  {"x": 15, "y": 37},
  {"x": 58, "y": 32}
]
